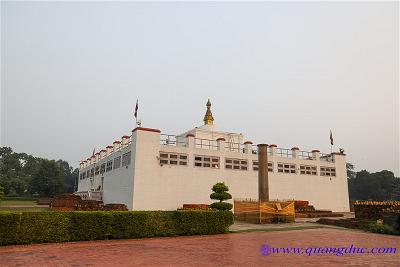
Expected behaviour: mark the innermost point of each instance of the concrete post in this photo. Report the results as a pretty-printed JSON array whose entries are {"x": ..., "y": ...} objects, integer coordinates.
[{"x": 263, "y": 190}]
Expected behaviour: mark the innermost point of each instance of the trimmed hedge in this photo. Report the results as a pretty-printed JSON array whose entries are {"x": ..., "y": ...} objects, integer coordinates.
[{"x": 49, "y": 227}]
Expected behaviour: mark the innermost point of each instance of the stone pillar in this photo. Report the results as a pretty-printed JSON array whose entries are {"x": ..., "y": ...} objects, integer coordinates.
[{"x": 263, "y": 190}]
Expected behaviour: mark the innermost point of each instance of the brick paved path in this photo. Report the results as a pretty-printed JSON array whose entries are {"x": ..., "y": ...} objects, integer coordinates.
[{"x": 237, "y": 249}]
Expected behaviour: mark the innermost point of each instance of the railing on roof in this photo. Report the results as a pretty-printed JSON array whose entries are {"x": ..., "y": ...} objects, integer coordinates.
[
  {"x": 173, "y": 140},
  {"x": 326, "y": 157},
  {"x": 235, "y": 147},
  {"x": 305, "y": 155},
  {"x": 205, "y": 144},
  {"x": 254, "y": 150},
  {"x": 284, "y": 153}
]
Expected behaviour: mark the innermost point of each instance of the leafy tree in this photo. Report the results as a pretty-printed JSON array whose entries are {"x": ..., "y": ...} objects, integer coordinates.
[
  {"x": 351, "y": 174},
  {"x": 70, "y": 176},
  {"x": 381, "y": 185},
  {"x": 17, "y": 172},
  {"x": 221, "y": 193},
  {"x": 48, "y": 179}
]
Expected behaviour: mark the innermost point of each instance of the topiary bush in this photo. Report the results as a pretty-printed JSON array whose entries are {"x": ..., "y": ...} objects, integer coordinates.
[
  {"x": 221, "y": 193},
  {"x": 46, "y": 227}
]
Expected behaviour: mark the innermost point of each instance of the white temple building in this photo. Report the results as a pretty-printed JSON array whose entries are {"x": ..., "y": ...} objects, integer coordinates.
[{"x": 149, "y": 170}]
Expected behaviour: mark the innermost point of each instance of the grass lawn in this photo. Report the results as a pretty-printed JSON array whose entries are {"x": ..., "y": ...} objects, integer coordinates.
[
  {"x": 10, "y": 203},
  {"x": 36, "y": 209}
]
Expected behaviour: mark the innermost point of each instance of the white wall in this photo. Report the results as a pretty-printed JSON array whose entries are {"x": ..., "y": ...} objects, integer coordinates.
[
  {"x": 145, "y": 185},
  {"x": 117, "y": 184},
  {"x": 169, "y": 187}
]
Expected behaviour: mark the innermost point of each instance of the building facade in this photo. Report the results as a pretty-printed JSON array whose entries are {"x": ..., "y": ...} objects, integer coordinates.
[{"x": 149, "y": 170}]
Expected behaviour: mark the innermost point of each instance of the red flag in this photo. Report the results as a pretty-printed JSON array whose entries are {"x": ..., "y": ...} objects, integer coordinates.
[
  {"x": 136, "y": 108},
  {"x": 331, "y": 137}
]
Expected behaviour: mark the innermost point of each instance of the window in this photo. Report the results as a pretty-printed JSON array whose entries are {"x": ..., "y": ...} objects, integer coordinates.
[
  {"x": 307, "y": 169},
  {"x": 88, "y": 173},
  {"x": 327, "y": 171},
  {"x": 91, "y": 172},
  {"x": 206, "y": 161},
  {"x": 97, "y": 170},
  {"x": 286, "y": 168},
  {"x": 173, "y": 158},
  {"x": 270, "y": 166},
  {"x": 103, "y": 168},
  {"x": 117, "y": 162},
  {"x": 236, "y": 164},
  {"x": 109, "y": 166},
  {"x": 126, "y": 159}
]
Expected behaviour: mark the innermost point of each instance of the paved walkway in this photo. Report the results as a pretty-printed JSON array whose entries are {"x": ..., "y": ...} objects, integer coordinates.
[{"x": 236, "y": 249}]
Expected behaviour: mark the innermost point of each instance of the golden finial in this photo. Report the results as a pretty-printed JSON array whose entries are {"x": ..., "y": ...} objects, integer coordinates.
[{"x": 208, "y": 118}]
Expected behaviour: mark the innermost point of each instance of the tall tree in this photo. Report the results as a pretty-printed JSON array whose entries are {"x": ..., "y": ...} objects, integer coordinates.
[
  {"x": 381, "y": 185},
  {"x": 47, "y": 180}
]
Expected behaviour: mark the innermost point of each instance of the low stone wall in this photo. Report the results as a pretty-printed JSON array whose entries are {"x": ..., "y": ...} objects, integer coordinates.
[
  {"x": 347, "y": 223},
  {"x": 71, "y": 202},
  {"x": 374, "y": 210}
]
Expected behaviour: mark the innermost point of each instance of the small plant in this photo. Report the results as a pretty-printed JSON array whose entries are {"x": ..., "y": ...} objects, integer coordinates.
[
  {"x": 221, "y": 193},
  {"x": 382, "y": 229}
]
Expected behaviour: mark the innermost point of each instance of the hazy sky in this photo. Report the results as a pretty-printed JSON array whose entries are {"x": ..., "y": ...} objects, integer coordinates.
[{"x": 282, "y": 73}]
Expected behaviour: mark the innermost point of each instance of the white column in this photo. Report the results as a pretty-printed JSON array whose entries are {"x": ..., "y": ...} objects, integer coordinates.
[
  {"x": 315, "y": 154},
  {"x": 273, "y": 148},
  {"x": 248, "y": 149},
  {"x": 190, "y": 138},
  {"x": 295, "y": 152}
]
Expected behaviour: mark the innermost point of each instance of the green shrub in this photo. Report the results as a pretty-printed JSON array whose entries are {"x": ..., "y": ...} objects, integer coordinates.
[
  {"x": 9, "y": 224},
  {"x": 220, "y": 193},
  {"x": 382, "y": 229},
  {"x": 41, "y": 227},
  {"x": 203, "y": 222},
  {"x": 221, "y": 206}
]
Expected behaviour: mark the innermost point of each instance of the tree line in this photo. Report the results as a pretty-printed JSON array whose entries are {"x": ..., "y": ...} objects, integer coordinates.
[
  {"x": 364, "y": 185},
  {"x": 27, "y": 176}
]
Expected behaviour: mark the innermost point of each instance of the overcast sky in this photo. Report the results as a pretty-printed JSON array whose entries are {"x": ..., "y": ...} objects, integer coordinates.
[{"x": 282, "y": 73}]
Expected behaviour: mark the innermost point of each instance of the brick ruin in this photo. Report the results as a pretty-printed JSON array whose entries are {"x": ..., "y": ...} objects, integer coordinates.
[{"x": 71, "y": 202}]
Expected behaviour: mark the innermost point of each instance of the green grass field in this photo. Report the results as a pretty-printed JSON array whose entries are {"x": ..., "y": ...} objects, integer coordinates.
[
  {"x": 20, "y": 205},
  {"x": 10, "y": 203},
  {"x": 36, "y": 209}
]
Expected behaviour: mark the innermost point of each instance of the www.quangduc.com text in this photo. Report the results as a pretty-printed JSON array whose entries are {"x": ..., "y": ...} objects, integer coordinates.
[{"x": 267, "y": 250}]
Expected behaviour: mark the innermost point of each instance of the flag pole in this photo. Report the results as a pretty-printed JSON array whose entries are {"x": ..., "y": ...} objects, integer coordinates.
[{"x": 136, "y": 110}]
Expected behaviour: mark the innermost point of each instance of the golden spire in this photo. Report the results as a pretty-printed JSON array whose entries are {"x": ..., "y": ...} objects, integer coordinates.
[{"x": 208, "y": 118}]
